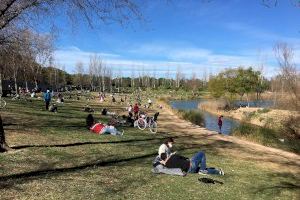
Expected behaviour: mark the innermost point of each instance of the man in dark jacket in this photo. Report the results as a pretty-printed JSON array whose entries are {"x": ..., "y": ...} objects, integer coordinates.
[{"x": 47, "y": 98}]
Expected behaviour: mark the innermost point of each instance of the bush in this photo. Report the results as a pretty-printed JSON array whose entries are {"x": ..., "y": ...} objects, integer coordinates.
[
  {"x": 267, "y": 137},
  {"x": 194, "y": 116},
  {"x": 291, "y": 127},
  {"x": 265, "y": 110}
]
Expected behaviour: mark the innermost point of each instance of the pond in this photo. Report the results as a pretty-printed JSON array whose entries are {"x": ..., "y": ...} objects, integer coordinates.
[{"x": 210, "y": 120}]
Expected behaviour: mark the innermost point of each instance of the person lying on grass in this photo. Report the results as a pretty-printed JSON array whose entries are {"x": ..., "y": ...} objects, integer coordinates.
[
  {"x": 170, "y": 160},
  {"x": 101, "y": 128}
]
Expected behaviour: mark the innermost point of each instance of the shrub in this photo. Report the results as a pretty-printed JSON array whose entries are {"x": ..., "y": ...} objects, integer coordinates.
[
  {"x": 265, "y": 110},
  {"x": 194, "y": 116},
  {"x": 267, "y": 137}
]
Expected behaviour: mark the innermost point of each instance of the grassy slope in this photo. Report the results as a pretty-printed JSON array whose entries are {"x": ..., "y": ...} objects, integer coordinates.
[{"x": 107, "y": 167}]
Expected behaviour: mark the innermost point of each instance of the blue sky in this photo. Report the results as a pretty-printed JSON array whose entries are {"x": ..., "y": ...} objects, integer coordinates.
[{"x": 193, "y": 36}]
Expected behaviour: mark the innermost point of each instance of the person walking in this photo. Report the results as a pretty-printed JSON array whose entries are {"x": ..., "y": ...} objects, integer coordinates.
[
  {"x": 220, "y": 123},
  {"x": 47, "y": 98}
]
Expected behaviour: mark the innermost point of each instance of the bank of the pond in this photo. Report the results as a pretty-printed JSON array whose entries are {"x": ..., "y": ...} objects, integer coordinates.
[
  {"x": 264, "y": 117},
  {"x": 268, "y": 137},
  {"x": 188, "y": 110},
  {"x": 191, "y": 116},
  {"x": 271, "y": 137}
]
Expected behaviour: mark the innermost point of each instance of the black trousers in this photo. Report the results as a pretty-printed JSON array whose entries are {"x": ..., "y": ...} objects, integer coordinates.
[{"x": 47, "y": 104}]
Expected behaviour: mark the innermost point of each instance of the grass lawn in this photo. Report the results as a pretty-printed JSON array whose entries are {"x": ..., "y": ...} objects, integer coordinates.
[{"x": 56, "y": 157}]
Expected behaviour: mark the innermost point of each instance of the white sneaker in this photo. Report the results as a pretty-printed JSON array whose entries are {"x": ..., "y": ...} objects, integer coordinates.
[
  {"x": 203, "y": 172},
  {"x": 221, "y": 172}
]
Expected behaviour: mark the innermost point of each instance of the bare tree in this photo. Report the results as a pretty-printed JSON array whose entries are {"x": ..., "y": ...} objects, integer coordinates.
[
  {"x": 79, "y": 69},
  {"x": 288, "y": 72},
  {"x": 103, "y": 73},
  {"x": 133, "y": 76},
  {"x": 178, "y": 76},
  {"x": 154, "y": 77},
  {"x": 109, "y": 74},
  {"x": 92, "y": 12},
  {"x": 95, "y": 63},
  {"x": 64, "y": 81}
]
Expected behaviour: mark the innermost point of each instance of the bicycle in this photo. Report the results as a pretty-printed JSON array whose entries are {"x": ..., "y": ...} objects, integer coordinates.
[
  {"x": 2, "y": 102},
  {"x": 148, "y": 122}
]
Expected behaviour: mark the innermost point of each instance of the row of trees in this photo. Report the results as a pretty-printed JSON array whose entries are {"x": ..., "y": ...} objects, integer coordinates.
[
  {"x": 29, "y": 64},
  {"x": 23, "y": 59},
  {"x": 100, "y": 77}
]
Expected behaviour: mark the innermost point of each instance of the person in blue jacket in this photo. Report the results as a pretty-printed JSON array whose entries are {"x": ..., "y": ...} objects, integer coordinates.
[{"x": 47, "y": 98}]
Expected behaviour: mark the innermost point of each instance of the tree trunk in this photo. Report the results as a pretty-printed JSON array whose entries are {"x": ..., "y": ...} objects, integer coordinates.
[
  {"x": 16, "y": 84},
  {"x": 1, "y": 84},
  {"x": 26, "y": 85},
  {"x": 3, "y": 145},
  {"x": 36, "y": 84}
]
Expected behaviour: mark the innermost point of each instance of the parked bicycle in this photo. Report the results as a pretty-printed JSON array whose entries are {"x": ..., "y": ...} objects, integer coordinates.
[{"x": 144, "y": 122}]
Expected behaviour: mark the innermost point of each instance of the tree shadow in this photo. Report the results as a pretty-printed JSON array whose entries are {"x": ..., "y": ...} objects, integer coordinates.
[
  {"x": 26, "y": 176},
  {"x": 292, "y": 185},
  {"x": 82, "y": 143}
]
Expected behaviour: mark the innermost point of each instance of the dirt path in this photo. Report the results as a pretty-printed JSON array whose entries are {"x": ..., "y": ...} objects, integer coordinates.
[{"x": 267, "y": 157}]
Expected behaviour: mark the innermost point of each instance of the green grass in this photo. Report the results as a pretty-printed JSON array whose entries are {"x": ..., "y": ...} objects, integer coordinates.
[
  {"x": 90, "y": 166},
  {"x": 267, "y": 137}
]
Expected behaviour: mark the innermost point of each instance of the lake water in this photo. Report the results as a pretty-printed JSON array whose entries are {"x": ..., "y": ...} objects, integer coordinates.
[{"x": 210, "y": 120}]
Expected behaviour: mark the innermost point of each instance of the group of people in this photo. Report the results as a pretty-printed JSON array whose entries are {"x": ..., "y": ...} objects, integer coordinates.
[{"x": 169, "y": 162}]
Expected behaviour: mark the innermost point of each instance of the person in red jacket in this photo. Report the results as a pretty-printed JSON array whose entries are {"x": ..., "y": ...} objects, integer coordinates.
[
  {"x": 136, "y": 110},
  {"x": 100, "y": 128},
  {"x": 220, "y": 123}
]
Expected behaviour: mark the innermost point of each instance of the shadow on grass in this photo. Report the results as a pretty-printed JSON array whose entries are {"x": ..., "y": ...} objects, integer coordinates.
[
  {"x": 82, "y": 143},
  {"x": 52, "y": 172},
  {"x": 293, "y": 184},
  {"x": 26, "y": 176}
]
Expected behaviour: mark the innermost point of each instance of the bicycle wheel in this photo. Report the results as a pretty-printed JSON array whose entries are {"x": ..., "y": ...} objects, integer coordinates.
[
  {"x": 141, "y": 123},
  {"x": 2, "y": 103},
  {"x": 153, "y": 127}
]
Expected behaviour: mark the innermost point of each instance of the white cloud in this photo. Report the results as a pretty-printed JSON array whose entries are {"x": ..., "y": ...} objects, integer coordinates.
[{"x": 190, "y": 60}]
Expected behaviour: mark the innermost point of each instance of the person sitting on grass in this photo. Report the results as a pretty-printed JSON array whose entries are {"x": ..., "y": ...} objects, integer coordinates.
[
  {"x": 101, "y": 128},
  {"x": 197, "y": 164},
  {"x": 129, "y": 109},
  {"x": 165, "y": 148},
  {"x": 53, "y": 108},
  {"x": 149, "y": 103},
  {"x": 130, "y": 119},
  {"x": 113, "y": 99},
  {"x": 88, "y": 108},
  {"x": 104, "y": 111}
]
